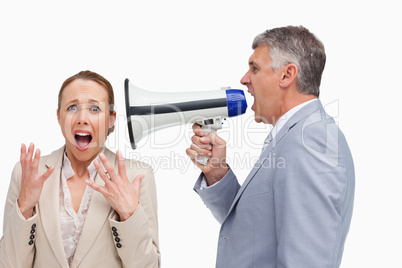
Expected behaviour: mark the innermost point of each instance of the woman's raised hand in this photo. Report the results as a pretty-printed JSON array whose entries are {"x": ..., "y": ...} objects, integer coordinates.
[
  {"x": 31, "y": 181},
  {"x": 121, "y": 194}
]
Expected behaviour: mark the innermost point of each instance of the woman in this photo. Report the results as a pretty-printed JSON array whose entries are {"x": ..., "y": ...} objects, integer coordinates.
[{"x": 82, "y": 205}]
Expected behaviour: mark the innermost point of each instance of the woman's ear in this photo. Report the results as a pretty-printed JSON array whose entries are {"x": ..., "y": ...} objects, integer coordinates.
[
  {"x": 58, "y": 116},
  {"x": 112, "y": 119},
  {"x": 289, "y": 75}
]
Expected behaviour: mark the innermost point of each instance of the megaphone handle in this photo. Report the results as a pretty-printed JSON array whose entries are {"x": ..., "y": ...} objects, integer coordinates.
[{"x": 203, "y": 160}]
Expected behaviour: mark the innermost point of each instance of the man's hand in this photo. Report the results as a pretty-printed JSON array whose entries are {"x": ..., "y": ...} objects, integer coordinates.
[{"x": 214, "y": 147}]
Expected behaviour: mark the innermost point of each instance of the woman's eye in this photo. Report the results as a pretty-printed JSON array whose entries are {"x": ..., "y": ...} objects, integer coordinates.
[
  {"x": 95, "y": 109},
  {"x": 72, "y": 108}
]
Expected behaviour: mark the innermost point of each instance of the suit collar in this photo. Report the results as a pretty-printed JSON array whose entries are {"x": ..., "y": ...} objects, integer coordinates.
[
  {"x": 97, "y": 217},
  {"x": 49, "y": 207},
  {"x": 299, "y": 115}
]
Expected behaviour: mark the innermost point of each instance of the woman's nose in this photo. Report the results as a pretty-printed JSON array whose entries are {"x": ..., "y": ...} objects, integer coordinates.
[{"x": 82, "y": 117}]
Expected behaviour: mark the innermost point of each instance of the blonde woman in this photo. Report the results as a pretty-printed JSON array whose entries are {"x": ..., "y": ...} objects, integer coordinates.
[{"x": 82, "y": 205}]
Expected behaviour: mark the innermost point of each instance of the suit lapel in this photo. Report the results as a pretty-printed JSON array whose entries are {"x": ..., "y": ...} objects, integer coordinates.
[
  {"x": 49, "y": 207},
  {"x": 98, "y": 212},
  {"x": 303, "y": 112}
]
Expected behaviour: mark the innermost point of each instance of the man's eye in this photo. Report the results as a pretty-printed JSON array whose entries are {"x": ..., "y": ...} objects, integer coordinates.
[
  {"x": 95, "y": 109},
  {"x": 254, "y": 69},
  {"x": 72, "y": 108}
]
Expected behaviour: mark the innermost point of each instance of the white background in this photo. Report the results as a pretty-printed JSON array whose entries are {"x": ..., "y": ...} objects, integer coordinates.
[{"x": 177, "y": 45}]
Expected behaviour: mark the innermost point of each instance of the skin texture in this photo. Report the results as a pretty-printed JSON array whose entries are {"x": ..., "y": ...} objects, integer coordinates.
[{"x": 84, "y": 109}]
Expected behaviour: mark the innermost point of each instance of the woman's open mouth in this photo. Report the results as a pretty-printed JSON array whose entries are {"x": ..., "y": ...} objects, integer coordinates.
[{"x": 82, "y": 140}]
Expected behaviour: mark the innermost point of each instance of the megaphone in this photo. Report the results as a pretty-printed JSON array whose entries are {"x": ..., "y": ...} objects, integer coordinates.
[{"x": 149, "y": 111}]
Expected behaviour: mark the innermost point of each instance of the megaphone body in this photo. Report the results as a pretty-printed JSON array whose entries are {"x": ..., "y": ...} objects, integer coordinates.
[{"x": 149, "y": 111}]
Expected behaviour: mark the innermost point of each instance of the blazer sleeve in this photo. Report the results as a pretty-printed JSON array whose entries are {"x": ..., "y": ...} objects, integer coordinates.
[
  {"x": 313, "y": 197},
  {"x": 219, "y": 197},
  {"x": 137, "y": 240},
  {"x": 17, "y": 247}
]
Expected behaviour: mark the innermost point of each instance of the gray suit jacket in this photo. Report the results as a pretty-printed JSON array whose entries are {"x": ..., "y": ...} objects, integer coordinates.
[{"x": 295, "y": 207}]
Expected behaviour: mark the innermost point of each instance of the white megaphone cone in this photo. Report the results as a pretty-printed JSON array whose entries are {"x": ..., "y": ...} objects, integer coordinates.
[{"x": 149, "y": 111}]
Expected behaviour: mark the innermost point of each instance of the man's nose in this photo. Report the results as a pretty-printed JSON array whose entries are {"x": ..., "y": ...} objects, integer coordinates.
[{"x": 245, "y": 80}]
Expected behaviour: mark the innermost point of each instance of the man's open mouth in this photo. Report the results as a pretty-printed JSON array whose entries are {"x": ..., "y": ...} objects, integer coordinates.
[{"x": 82, "y": 140}]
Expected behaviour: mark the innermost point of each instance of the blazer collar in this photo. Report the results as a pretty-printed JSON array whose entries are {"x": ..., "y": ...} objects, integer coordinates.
[
  {"x": 49, "y": 206},
  {"x": 98, "y": 216},
  {"x": 299, "y": 115}
]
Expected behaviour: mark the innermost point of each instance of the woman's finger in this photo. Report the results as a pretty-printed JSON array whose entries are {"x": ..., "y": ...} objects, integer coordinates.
[
  {"x": 108, "y": 167},
  {"x": 97, "y": 188},
  {"x": 102, "y": 173},
  {"x": 35, "y": 162},
  {"x": 121, "y": 166},
  {"x": 23, "y": 153},
  {"x": 137, "y": 182},
  {"x": 47, "y": 173},
  {"x": 28, "y": 158}
]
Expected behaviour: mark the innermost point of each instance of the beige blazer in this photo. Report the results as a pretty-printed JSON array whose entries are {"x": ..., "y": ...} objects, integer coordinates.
[{"x": 105, "y": 242}]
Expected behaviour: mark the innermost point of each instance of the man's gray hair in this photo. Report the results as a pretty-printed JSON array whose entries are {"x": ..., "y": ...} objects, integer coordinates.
[{"x": 296, "y": 45}]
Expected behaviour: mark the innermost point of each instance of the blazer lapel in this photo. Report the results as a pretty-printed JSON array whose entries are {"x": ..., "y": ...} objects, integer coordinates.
[
  {"x": 305, "y": 111},
  {"x": 49, "y": 207},
  {"x": 98, "y": 212}
]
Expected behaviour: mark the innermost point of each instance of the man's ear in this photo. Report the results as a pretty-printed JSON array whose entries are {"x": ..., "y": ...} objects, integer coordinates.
[{"x": 289, "y": 74}]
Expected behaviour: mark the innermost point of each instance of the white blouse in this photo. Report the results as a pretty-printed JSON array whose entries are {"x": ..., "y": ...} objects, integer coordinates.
[{"x": 71, "y": 222}]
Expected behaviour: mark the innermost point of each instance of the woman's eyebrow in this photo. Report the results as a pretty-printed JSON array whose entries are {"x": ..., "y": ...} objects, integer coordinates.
[
  {"x": 93, "y": 100},
  {"x": 71, "y": 102},
  {"x": 76, "y": 101}
]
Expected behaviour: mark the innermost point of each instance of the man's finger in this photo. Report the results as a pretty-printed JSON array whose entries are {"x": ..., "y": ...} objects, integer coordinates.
[
  {"x": 200, "y": 151},
  {"x": 198, "y": 130},
  {"x": 215, "y": 140}
]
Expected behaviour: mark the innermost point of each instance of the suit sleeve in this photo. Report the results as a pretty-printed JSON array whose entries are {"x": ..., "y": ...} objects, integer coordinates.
[
  {"x": 313, "y": 196},
  {"x": 219, "y": 197},
  {"x": 17, "y": 247},
  {"x": 137, "y": 240}
]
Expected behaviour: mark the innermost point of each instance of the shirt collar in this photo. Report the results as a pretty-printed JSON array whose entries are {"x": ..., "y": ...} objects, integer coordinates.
[
  {"x": 284, "y": 118},
  {"x": 68, "y": 171}
]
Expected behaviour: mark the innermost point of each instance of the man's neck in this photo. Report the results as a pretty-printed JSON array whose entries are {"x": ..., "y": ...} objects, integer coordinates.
[{"x": 291, "y": 102}]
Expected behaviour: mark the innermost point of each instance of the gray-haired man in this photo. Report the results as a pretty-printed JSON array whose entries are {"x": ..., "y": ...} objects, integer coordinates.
[{"x": 293, "y": 215}]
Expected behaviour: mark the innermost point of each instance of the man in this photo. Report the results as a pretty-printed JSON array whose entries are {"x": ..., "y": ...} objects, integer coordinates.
[{"x": 298, "y": 213}]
